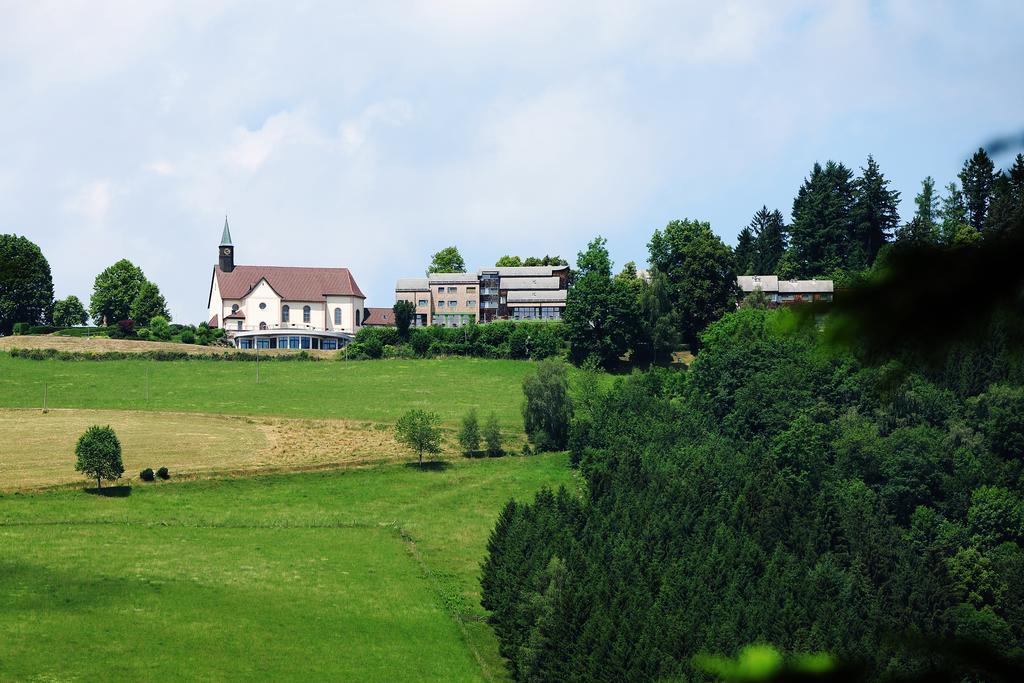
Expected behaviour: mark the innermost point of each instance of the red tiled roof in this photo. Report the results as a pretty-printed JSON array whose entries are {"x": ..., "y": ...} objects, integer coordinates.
[
  {"x": 379, "y": 316},
  {"x": 235, "y": 314},
  {"x": 214, "y": 321},
  {"x": 291, "y": 284}
]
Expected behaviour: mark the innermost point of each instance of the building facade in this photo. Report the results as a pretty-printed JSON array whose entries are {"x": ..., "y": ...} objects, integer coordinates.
[
  {"x": 786, "y": 292},
  {"x": 505, "y": 293},
  {"x": 275, "y": 307}
]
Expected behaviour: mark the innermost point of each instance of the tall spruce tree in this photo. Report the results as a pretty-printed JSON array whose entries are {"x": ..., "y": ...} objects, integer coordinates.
[
  {"x": 875, "y": 215},
  {"x": 822, "y": 221},
  {"x": 745, "y": 252},
  {"x": 1007, "y": 206},
  {"x": 977, "y": 178},
  {"x": 769, "y": 240},
  {"x": 955, "y": 228},
  {"x": 923, "y": 228}
]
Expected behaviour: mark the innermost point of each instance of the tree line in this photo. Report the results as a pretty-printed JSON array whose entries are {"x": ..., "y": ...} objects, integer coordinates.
[{"x": 120, "y": 292}]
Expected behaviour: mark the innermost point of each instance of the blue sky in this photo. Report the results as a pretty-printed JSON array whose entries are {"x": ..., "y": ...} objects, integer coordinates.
[{"x": 369, "y": 135}]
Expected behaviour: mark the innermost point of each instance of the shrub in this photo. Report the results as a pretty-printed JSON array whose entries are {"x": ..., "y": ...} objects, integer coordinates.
[
  {"x": 385, "y": 336},
  {"x": 163, "y": 473},
  {"x": 147, "y": 474},
  {"x": 527, "y": 450},
  {"x": 188, "y": 337},
  {"x": 99, "y": 454},
  {"x": 492, "y": 436},
  {"x": 420, "y": 341},
  {"x": 42, "y": 329},
  {"x": 159, "y": 328},
  {"x": 469, "y": 435},
  {"x": 22, "y": 328},
  {"x": 123, "y": 329}
]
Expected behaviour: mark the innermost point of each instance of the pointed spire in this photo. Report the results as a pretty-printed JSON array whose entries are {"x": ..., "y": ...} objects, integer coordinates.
[{"x": 225, "y": 238}]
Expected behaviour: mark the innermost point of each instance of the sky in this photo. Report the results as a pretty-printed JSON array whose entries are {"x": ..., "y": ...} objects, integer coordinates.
[{"x": 369, "y": 135}]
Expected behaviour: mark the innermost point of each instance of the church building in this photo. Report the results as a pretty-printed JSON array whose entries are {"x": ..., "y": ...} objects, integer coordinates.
[{"x": 276, "y": 307}]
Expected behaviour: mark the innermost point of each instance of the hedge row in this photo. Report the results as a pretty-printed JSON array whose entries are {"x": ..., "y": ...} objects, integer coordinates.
[
  {"x": 501, "y": 339},
  {"x": 54, "y": 354}
]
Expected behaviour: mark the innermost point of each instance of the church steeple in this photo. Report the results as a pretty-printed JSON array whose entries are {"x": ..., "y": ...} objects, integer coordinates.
[{"x": 226, "y": 249}]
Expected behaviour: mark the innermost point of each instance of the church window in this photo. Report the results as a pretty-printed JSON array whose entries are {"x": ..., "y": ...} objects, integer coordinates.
[
  {"x": 234, "y": 308},
  {"x": 263, "y": 305},
  {"x": 305, "y": 314},
  {"x": 263, "y": 326},
  {"x": 337, "y": 316},
  {"x": 357, "y": 318},
  {"x": 284, "y": 313}
]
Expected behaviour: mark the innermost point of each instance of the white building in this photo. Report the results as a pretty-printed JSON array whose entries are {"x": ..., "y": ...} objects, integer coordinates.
[
  {"x": 785, "y": 292},
  {"x": 275, "y": 307}
]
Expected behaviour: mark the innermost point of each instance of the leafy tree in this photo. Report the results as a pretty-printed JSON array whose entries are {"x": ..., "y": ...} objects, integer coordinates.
[
  {"x": 756, "y": 299},
  {"x": 99, "y": 454},
  {"x": 404, "y": 311},
  {"x": 159, "y": 329},
  {"x": 599, "y": 309},
  {"x": 874, "y": 213},
  {"x": 448, "y": 260},
  {"x": 114, "y": 292},
  {"x": 745, "y": 252},
  {"x": 26, "y": 287},
  {"x": 418, "y": 430},
  {"x": 148, "y": 304},
  {"x": 977, "y": 177},
  {"x": 69, "y": 312},
  {"x": 595, "y": 259},
  {"x": 769, "y": 240},
  {"x": 492, "y": 436},
  {"x": 659, "y": 325},
  {"x": 509, "y": 262},
  {"x": 547, "y": 408},
  {"x": 701, "y": 274},
  {"x": 469, "y": 435},
  {"x": 823, "y": 223}
]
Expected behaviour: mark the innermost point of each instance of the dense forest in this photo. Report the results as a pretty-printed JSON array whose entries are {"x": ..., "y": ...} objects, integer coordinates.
[{"x": 778, "y": 492}]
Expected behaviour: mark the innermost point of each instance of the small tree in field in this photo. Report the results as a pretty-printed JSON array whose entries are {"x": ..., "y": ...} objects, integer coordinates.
[
  {"x": 418, "y": 430},
  {"x": 469, "y": 435},
  {"x": 404, "y": 311},
  {"x": 492, "y": 436},
  {"x": 99, "y": 454},
  {"x": 547, "y": 408}
]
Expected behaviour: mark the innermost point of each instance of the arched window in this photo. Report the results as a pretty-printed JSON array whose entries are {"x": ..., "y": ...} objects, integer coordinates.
[
  {"x": 337, "y": 316},
  {"x": 234, "y": 308},
  {"x": 357, "y": 317},
  {"x": 284, "y": 313},
  {"x": 305, "y": 314},
  {"x": 263, "y": 326}
]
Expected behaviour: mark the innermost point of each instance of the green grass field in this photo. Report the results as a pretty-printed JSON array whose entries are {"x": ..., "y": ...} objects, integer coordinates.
[
  {"x": 346, "y": 575},
  {"x": 358, "y": 390}
]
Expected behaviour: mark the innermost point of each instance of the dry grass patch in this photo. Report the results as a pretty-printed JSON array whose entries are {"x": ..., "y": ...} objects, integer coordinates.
[
  {"x": 39, "y": 448},
  {"x": 104, "y": 345}
]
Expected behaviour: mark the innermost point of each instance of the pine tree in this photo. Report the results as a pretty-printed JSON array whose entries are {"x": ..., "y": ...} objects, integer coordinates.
[
  {"x": 769, "y": 240},
  {"x": 953, "y": 215},
  {"x": 875, "y": 215},
  {"x": 822, "y": 223},
  {"x": 1007, "y": 205},
  {"x": 977, "y": 178},
  {"x": 745, "y": 252},
  {"x": 923, "y": 228}
]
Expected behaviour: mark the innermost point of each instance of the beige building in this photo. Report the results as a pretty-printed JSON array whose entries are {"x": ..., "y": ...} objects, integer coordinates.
[
  {"x": 505, "y": 293},
  {"x": 784, "y": 292},
  {"x": 276, "y": 307}
]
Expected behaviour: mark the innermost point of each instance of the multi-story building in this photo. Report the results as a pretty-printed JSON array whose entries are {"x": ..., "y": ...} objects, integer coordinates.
[
  {"x": 275, "y": 307},
  {"x": 785, "y": 292},
  {"x": 500, "y": 293}
]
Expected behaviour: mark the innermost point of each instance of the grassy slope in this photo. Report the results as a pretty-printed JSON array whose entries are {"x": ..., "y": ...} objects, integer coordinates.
[
  {"x": 284, "y": 576},
  {"x": 363, "y": 390}
]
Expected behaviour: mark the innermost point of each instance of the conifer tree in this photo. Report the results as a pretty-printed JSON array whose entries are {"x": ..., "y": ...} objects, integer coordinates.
[
  {"x": 822, "y": 221},
  {"x": 1007, "y": 206},
  {"x": 745, "y": 252},
  {"x": 769, "y": 240},
  {"x": 977, "y": 178},
  {"x": 874, "y": 213},
  {"x": 953, "y": 215}
]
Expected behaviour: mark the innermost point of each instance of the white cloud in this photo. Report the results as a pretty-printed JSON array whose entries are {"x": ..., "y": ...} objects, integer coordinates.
[{"x": 93, "y": 200}]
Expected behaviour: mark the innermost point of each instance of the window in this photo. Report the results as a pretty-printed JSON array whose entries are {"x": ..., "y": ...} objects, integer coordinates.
[
  {"x": 263, "y": 326},
  {"x": 470, "y": 290},
  {"x": 452, "y": 290},
  {"x": 293, "y": 342},
  {"x": 263, "y": 305},
  {"x": 550, "y": 313},
  {"x": 305, "y": 314},
  {"x": 284, "y": 313},
  {"x": 422, "y": 302},
  {"x": 440, "y": 304},
  {"x": 453, "y": 303},
  {"x": 440, "y": 290},
  {"x": 245, "y": 343},
  {"x": 357, "y": 318},
  {"x": 234, "y": 308},
  {"x": 262, "y": 343},
  {"x": 471, "y": 302},
  {"x": 305, "y": 342},
  {"x": 329, "y": 344},
  {"x": 239, "y": 325},
  {"x": 337, "y": 316}
]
